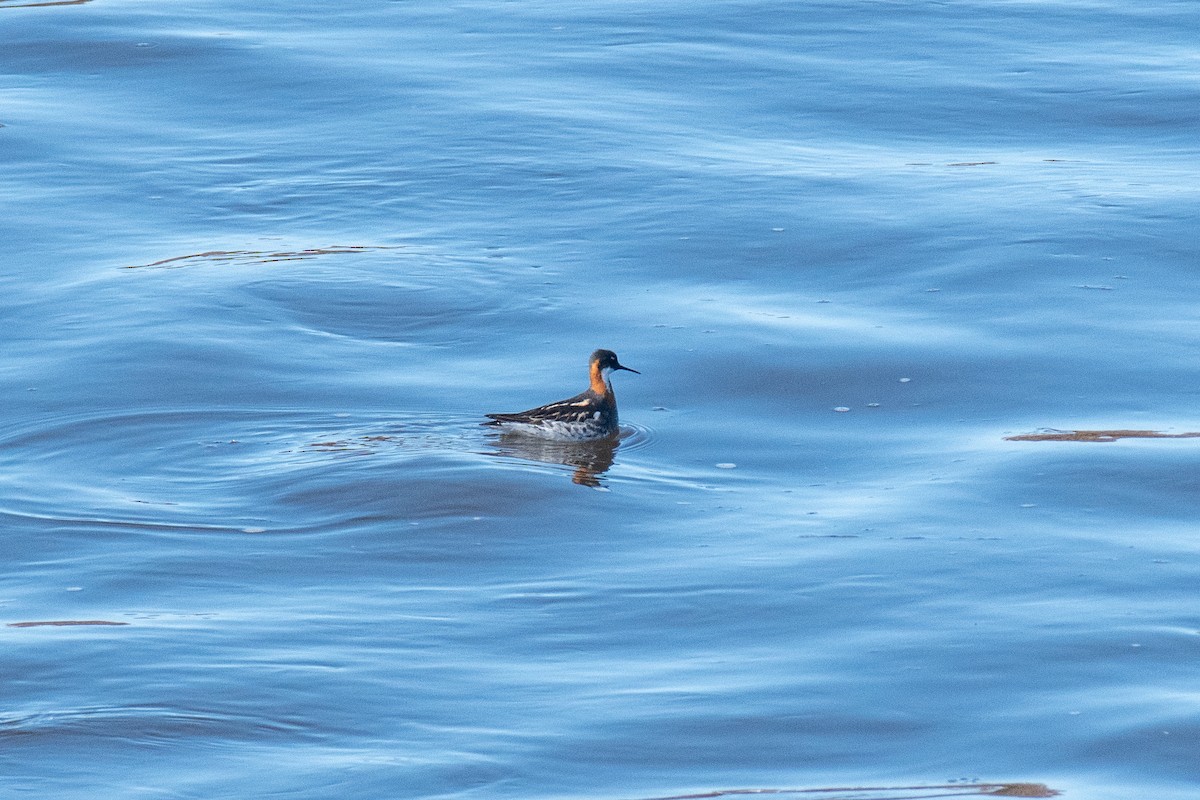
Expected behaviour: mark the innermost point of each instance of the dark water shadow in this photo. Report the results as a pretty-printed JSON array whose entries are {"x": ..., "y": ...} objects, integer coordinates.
[
  {"x": 63, "y": 623},
  {"x": 5, "y": 4},
  {"x": 587, "y": 460},
  {"x": 1051, "y": 435},
  {"x": 886, "y": 792}
]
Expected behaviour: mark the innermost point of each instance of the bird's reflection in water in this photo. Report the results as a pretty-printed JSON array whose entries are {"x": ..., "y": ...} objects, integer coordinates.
[{"x": 589, "y": 459}]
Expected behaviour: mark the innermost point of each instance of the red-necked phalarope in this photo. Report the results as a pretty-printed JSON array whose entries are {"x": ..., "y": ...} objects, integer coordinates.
[{"x": 591, "y": 414}]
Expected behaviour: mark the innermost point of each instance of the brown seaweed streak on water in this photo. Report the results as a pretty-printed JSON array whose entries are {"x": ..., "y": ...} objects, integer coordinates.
[
  {"x": 5, "y": 4},
  {"x": 260, "y": 256},
  {"x": 1096, "y": 436},
  {"x": 63, "y": 623},
  {"x": 360, "y": 446},
  {"x": 888, "y": 792}
]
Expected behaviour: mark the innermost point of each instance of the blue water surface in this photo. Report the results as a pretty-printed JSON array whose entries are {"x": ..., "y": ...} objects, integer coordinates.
[{"x": 263, "y": 268}]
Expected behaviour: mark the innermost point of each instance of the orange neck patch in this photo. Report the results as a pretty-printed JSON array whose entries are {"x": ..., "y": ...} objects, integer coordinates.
[{"x": 599, "y": 386}]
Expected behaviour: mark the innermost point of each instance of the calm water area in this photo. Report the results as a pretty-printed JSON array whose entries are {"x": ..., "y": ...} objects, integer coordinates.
[{"x": 264, "y": 267}]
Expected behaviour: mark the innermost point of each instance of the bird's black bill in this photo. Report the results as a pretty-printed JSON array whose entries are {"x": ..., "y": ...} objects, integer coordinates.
[{"x": 627, "y": 369}]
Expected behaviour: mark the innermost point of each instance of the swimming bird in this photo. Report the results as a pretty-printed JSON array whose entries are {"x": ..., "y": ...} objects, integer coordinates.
[{"x": 591, "y": 414}]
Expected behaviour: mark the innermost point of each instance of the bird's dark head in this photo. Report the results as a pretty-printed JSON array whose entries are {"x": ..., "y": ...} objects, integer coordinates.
[{"x": 606, "y": 361}]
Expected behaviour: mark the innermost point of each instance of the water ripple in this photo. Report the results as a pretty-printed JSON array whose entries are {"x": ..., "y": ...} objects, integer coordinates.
[{"x": 147, "y": 725}]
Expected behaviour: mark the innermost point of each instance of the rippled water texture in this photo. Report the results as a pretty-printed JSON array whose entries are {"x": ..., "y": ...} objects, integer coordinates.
[{"x": 905, "y": 496}]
